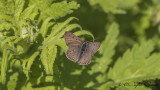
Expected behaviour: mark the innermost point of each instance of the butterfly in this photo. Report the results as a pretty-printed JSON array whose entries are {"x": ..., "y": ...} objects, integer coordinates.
[{"x": 78, "y": 50}]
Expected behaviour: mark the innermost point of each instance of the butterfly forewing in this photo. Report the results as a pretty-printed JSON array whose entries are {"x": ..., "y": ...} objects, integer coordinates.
[
  {"x": 93, "y": 47},
  {"x": 72, "y": 40},
  {"x": 73, "y": 53}
]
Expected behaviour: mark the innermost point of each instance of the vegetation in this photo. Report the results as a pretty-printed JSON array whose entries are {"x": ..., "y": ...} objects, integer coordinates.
[{"x": 32, "y": 47}]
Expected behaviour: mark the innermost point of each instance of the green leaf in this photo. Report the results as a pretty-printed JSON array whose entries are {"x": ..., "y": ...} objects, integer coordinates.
[
  {"x": 60, "y": 9},
  {"x": 32, "y": 33},
  {"x": 114, "y": 6},
  {"x": 59, "y": 28},
  {"x": 136, "y": 64},
  {"x": 133, "y": 88},
  {"x": 6, "y": 26},
  {"x": 141, "y": 24},
  {"x": 110, "y": 42},
  {"x": 46, "y": 88},
  {"x": 18, "y": 8},
  {"x": 8, "y": 43},
  {"x": 28, "y": 63},
  {"x": 107, "y": 49},
  {"x": 68, "y": 28},
  {"x": 83, "y": 32},
  {"x": 29, "y": 12},
  {"x": 4, "y": 65},
  {"x": 46, "y": 24},
  {"x": 13, "y": 81},
  {"x": 6, "y": 18},
  {"x": 48, "y": 56}
]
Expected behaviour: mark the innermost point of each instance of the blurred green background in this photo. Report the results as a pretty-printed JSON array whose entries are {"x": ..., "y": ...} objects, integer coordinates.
[{"x": 32, "y": 47}]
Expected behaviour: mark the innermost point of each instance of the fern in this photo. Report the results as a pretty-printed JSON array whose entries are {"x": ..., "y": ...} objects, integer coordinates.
[
  {"x": 133, "y": 88},
  {"x": 46, "y": 24},
  {"x": 56, "y": 10},
  {"x": 135, "y": 65},
  {"x": 28, "y": 62},
  {"x": 26, "y": 33},
  {"x": 108, "y": 46},
  {"x": 139, "y": 27},
  {"x": 59, "y": 8},
  {"x": 54, "y": 39},
  {"x": 32, "y": 47},
  {"x": 133, "y": 58},
  {"x": 4, "y": 66},
  {"x": 114, "y": 6},
  {"x": 48, "y": 56},
  {"x": 12, "y": 82},
  {"x": 107, "y": 51}
]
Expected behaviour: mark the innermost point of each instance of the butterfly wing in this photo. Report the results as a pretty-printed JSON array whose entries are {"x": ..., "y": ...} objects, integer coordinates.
[
  {"x": 85, "y": 59},
  {"x": 73, "y": 53},
  {"x": 72, "y": 40},
  {"x": 91, "y": 49}
]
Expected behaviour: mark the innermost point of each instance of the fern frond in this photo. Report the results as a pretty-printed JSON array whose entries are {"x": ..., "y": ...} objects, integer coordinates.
[
  {"x": 136, "y": 63},
  {"x": 56, "y": 30},
  {"x": 141, "y": 87},
  {"x": 59, "y": 28},
  {"x": 45, "y": 26},
  {"x": 29, "y": 12},
  {"x": 8, "y": 43},
  {"x": 68, "y": 28},
  {"x": 9, "y": 40},
  {"x": 6, "y": 26},
  {"x": 48, "y": 56},
  {"x": 114, "y": 6},
  {"x": 60, "y": 9},
  {"x": 28, "y": 63},
  {"x": 7, "y": 7},
  {"x": 6, "y": 18},
  {"x": 108, "y": 45},
  {"x": 107, "y": 49},
  {"x": 84, "y": 32},
  {"x": 12, "y": 83},
  {"x": 4, "y": 65},
  {"x": 18, "y": 8},
  {"x": 46, "y": 88}
]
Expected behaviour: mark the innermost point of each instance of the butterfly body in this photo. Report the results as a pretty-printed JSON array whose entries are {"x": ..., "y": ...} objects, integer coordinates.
[
  {"x": 80, "y": 51},
  {"x": 83, "y": 46}
]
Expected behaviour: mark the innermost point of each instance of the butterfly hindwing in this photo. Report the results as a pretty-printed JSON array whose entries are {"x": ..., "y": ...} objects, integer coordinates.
[
  {"x": 73, "y": 53},
  {"x": 90, "y": 49},
  {"x": 85, "y": 57}
]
